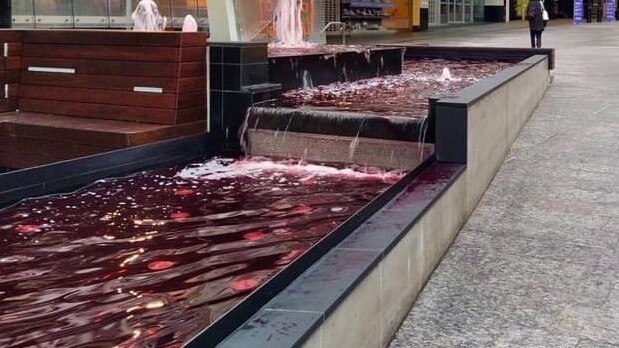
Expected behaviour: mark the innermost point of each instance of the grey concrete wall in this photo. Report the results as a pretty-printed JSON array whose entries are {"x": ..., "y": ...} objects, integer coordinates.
[
  {"x": 372, "y": 313},
  {"x": 338, "y": 149},
  {"x": 494, "y": 122}
]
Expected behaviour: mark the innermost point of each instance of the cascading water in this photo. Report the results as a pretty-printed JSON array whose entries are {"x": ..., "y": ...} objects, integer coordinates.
[{"x": 288, "y": 24}]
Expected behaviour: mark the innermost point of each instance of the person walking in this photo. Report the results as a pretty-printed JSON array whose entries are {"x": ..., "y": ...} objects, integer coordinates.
[{"x": 536, "y": 22}]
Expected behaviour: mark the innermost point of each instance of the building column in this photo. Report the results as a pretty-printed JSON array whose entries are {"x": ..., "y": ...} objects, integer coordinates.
[{"x": 223, "y": 24}]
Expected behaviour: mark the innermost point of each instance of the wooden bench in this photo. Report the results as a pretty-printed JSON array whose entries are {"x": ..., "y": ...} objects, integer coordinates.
[{"x": 82, "y": 92}]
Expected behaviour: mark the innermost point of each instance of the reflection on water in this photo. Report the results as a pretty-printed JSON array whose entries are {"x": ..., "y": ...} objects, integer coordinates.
[{"x": 152, "y": 258}]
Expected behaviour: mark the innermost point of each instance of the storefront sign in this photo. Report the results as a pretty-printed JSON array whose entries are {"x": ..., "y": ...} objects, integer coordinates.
[
  {"x": 578, "y": 12},
  {"x": 610, "y": 10}
]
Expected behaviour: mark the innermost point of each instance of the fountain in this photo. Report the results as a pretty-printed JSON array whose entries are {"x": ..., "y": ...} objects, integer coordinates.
[
  {"x": 288, "y": 25},
  {"x": 146, "y": 17},
  {"x": 362, "y": 168}
]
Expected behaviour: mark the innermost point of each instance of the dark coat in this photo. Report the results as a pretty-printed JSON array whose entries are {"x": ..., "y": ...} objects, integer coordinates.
[{"x": 534, "y": 15}]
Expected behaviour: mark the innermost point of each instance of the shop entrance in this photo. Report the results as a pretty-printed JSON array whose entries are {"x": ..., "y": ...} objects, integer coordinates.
[{"x": 442, "y": 12}]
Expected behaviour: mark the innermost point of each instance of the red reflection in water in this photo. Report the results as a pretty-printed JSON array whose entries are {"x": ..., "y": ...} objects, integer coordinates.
[
  {"x": 254, "y": 235},
  {"x": 183, "y": 192},
  {"x": 244, "y": 284},
  {"x": 27, "y": 228},
  {"x": 160, "y": 265},
  {"x": 131, "y": 262}
]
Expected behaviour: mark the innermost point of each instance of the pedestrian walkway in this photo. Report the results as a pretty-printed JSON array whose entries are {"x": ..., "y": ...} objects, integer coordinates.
[{"x": 537, "y": 265}]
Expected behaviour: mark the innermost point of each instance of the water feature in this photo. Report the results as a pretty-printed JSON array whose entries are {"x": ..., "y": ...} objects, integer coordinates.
[
  {"x": 146, "y": 17},
  {"x": 288, "y": 24},
  {"x": 404, "y": 95},
  {"x": 150, "y": 259}
]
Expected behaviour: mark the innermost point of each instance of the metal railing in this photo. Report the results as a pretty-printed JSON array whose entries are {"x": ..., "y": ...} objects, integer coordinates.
[{"x": 341, "y": 26}]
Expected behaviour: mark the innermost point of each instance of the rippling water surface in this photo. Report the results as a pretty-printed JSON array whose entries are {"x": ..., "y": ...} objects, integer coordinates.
[
  {"x": 150, "y": 259},
  {"x": 396, "y": 95}
]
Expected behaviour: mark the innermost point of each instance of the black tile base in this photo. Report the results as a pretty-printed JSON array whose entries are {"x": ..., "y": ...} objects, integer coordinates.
[{"x": 323, "y": 69}]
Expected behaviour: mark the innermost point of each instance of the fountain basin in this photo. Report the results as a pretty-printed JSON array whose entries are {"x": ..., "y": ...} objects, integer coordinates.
[{"x": 405, "y": 231}]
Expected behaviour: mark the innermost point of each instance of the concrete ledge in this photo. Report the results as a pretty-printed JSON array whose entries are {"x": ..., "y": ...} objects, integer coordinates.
[{"x": 338, "y": 149}]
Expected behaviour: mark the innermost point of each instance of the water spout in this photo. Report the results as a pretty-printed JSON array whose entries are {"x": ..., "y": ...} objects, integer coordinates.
[
  {"x": 307, "y": 80},
  {"x": 288, "y": 24},
  {"x": 446, "y": 76},
  {"x": 146, "y": 17}
]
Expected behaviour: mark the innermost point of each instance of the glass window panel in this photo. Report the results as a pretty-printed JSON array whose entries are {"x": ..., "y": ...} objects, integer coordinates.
[
  {"x": 53, "y": 13},
  {"x": 91, "y": 13},
  {"x": 181, "y": 8},
  {"x": 202, "y": 15},
  {"x": 23, "y": 13},
  {"x": 120, "y": 13},
  {"x": 165, "y": 10}
]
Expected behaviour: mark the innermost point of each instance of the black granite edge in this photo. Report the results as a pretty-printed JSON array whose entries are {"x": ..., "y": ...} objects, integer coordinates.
[
  {"x": 237, "y": 44},
  {"x": 68, "y": 175},
  {"x": 483, "y": 88},
  {"x": 238, "y": 315},
  {"x": 293, "y": 315},
  {"x": 325, "y": 54},
  {"x": 469, "y": 52}
]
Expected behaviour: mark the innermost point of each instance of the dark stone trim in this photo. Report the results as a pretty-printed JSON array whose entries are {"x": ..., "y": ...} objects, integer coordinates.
[
  {"x": 479, "y": 53},
  {"x": 69, "y": 175}
]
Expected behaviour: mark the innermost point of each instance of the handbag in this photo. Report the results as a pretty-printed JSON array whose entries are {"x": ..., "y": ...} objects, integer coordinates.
[{"x": 545, "y": 16}]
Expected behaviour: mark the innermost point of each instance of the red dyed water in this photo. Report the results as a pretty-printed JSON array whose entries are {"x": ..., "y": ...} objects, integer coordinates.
[
  {"x": 397, "y": 95},
  {"x": 150, "y": 259}
]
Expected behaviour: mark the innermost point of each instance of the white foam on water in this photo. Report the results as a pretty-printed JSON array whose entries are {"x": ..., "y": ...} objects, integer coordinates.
[{"x": 223, "y": 168}]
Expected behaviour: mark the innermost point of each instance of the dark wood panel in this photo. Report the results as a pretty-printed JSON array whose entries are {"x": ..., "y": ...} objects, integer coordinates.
[
  {"x": 7, "y": 105},
  {"x": 15, "y": 49},
  {"x": 176, "y": 131},
  {"x": 54, "y": 133},
  {"x": 9, "y": 76},
  {"x": 123, "y": 68},
  {"x": 135, "y": 53},
  {"x": 102, "y": 111},
  {"x": 123, "y": 83},
  {"x": 114, "y": 38},
  {"x": 10, "y": 35},
  {"x": 100, "y": 96},
  {"x": 132, "y": 53},
  {"x": 104, "y": 67},
  {"x": 10, "y": 63},
  {"x": 95, "y": 132}
]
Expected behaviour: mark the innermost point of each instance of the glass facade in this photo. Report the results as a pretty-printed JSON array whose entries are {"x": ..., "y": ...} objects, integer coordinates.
[{"x": 99, "y": 13}]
